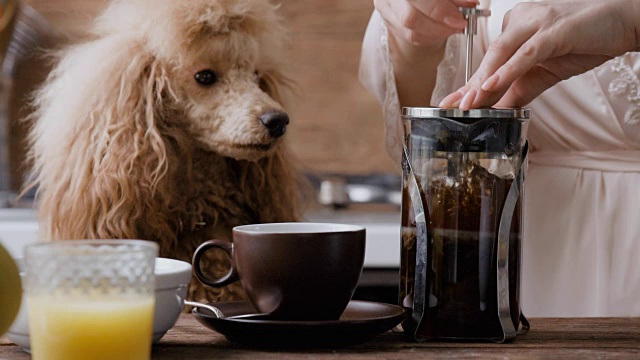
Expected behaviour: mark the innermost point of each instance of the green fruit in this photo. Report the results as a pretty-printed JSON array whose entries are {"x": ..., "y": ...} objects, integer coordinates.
[{"x": 10, "y": 290}]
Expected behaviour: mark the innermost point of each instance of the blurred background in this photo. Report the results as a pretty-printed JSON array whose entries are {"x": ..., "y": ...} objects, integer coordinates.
[
  {"x": 337, "y": 125},
  {"x": 336, "y": 131}
]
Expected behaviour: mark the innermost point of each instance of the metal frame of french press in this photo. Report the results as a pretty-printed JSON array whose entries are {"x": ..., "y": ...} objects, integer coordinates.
[
  {"x": 506, "y": 217},
  {"x": 421, "y": 214}
]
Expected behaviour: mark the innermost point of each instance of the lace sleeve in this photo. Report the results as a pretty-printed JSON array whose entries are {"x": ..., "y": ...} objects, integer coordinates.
[{"x": 377, "y": 75}]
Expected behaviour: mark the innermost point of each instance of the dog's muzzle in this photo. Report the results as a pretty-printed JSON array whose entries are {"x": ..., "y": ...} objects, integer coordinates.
[{"x": 276, "y": 122}]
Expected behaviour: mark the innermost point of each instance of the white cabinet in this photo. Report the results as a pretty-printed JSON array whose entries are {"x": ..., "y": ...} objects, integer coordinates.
[
  {"x": 383, "y": 233},
  {"x": 18, "y": 228}
]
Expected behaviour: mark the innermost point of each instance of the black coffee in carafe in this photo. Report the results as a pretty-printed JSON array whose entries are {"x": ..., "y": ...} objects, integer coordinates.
[{"x": 461, "y": 222}]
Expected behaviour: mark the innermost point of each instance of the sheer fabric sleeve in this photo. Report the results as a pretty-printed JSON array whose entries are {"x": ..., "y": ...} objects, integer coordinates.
[{"x": 377, "y": 75}]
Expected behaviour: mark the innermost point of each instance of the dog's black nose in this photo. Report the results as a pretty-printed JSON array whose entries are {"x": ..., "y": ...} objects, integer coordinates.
[{"x": 276, "y": 122}]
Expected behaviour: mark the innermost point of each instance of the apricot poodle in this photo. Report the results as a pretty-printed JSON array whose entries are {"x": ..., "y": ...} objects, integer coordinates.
[{"x": 165, "y": 124}]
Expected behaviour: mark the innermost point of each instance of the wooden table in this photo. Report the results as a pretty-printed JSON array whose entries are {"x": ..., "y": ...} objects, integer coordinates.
[{"x": 585, "y": 338}]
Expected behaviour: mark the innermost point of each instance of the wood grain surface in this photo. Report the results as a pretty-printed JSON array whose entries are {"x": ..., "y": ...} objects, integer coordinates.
[
  {"x": 336, "y": 124},
  {"x": 585, "y": 338}
]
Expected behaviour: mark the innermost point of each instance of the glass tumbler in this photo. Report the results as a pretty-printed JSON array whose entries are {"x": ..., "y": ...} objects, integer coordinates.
[{"x": 91, "y": 299}]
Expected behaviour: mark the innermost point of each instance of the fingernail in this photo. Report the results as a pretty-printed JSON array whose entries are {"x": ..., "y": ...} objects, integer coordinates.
[
  {"x": 489, "y": 84},
  {"x": 458, "y": 98},
  {"x": 444, "y": 102},
  {"x": 455, "y": 23},
  {"x": 449, "y": 99},
  {"x": 467, "y": 100}
]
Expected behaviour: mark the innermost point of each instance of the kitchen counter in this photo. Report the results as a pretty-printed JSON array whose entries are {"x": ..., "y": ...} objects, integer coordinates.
[{"x": 566, "y": 338}]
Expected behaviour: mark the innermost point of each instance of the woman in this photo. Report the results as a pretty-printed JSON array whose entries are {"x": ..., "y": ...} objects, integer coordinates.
[{"x": 582, "y": 205}]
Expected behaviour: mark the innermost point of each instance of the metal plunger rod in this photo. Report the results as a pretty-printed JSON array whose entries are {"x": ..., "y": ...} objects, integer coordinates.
[
  {"x": 471, "y": 15},
  {"x": 471, "y": 25}
]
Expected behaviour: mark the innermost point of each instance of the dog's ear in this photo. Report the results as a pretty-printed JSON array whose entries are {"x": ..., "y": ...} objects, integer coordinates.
[{"x": 97, "y": 146}]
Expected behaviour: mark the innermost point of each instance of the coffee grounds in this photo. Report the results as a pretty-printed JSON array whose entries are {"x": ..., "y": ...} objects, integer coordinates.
[{"x": 463, "y": 220}]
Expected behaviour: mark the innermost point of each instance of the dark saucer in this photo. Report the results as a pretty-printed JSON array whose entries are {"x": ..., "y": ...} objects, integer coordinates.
[{"x": 361, "y": 321}]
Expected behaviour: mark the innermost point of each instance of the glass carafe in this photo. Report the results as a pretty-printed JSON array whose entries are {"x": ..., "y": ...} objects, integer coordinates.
[{"x": 462, "y": 222}]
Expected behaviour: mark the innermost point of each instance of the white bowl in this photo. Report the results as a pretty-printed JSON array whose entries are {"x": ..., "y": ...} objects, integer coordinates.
[{"x": 172, "y": 283}]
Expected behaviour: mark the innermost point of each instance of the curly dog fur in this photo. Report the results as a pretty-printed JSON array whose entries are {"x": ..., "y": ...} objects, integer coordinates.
[{"x": 127, "y": 144}]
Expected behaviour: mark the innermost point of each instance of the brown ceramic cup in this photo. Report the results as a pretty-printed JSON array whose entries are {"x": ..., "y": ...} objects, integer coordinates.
[{"x": 292, "y": 271}]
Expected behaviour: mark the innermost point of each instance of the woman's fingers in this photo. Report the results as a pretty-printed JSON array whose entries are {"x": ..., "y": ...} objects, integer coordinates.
[
  {"x": 535, "y": 50},
  {"x": 408, "y": 21},
  {"x": 465, "y": 3},
  {"x": 468, "y": 99},
  {"x": 509, "y": 56},
  {"x": 490, "y": 89},
  {"x": 416, "y": 27},
  {"x": 444, "y": 11},
  {"x": 546, "y": 74},
  {"x": 526, "y": 88},
  {"x": 486, "y": 85},
  {"x": 513, "y": 53},
  {"x": 543, "y": 43},
  {"x": 539, "y": 78},
  {"x": 451, "y": 99}
]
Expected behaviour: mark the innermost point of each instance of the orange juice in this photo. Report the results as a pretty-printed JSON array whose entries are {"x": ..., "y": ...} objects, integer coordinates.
[{"x": 73, "y": 328}]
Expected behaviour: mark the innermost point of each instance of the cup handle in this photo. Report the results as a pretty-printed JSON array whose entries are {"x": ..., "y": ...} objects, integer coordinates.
[{"x": 228, "y": 278}]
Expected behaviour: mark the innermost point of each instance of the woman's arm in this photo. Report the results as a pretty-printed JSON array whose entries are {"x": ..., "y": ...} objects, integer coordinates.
[{"x": 546, "y": 42}]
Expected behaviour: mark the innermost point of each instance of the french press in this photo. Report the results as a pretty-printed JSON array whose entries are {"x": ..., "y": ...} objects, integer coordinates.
[{"x": 463, "y": 176}]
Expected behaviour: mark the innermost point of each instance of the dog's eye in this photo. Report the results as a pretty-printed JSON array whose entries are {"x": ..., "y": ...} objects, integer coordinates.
[
  {"x": 264, "y": 85},
  {"x": 206, "y": 77},
  {"x": 260, "y": 80}
]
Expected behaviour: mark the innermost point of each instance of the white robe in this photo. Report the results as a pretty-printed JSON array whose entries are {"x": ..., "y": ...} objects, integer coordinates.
[{"x": 581, "y": 247}]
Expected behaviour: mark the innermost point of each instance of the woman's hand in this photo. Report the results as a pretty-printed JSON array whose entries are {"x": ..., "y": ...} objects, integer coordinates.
[
  {"x": 418, "y": 30},
  {"x": 423, "y": 23},
  {"x": 544, "y": 43}
]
